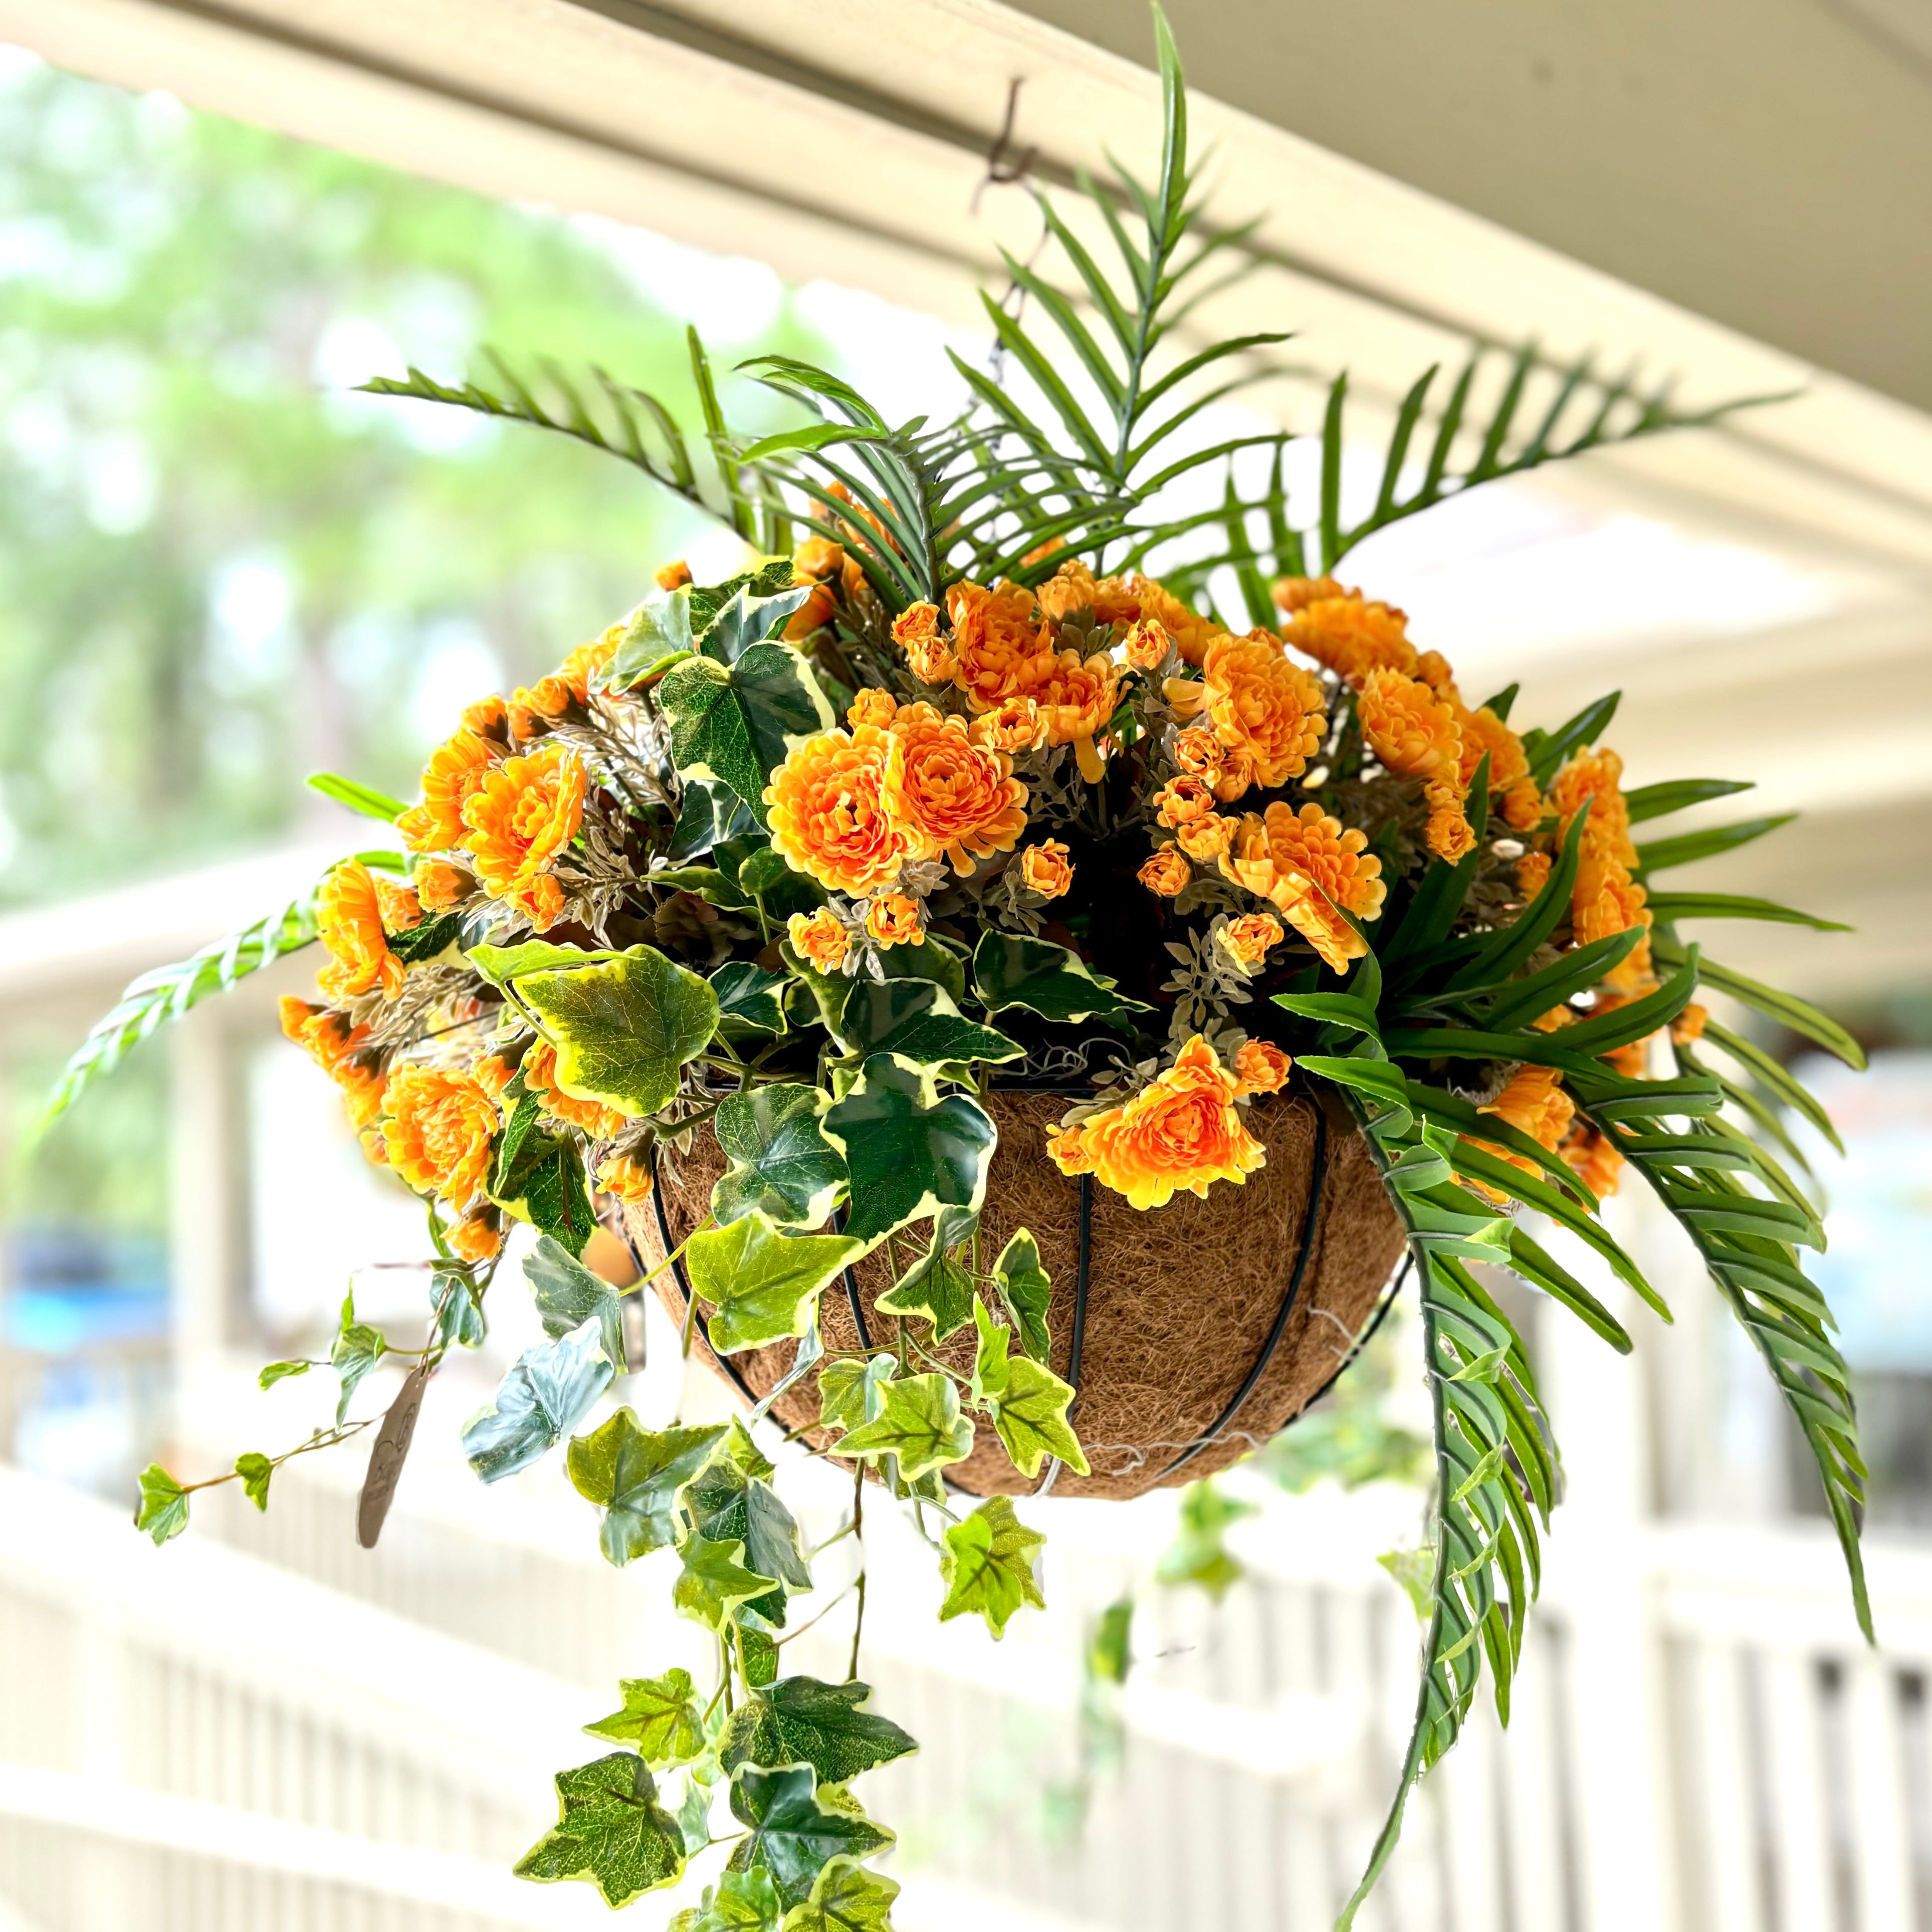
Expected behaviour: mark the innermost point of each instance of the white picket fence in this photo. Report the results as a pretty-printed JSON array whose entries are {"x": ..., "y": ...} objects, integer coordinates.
[{"x": 197, "y": 1740}]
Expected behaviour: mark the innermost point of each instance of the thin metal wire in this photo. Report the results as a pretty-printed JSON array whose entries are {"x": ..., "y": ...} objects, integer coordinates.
[
  {"x": 852, "y": 1288},
  {"x": 683, "y": 1280},
  {"x": 1310, "y": 1220},
  {"x": 1390, "y": 1295}
]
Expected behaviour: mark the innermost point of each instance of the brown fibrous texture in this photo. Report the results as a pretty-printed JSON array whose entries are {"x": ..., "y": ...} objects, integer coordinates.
[{"x": 1180, "y": 1299}]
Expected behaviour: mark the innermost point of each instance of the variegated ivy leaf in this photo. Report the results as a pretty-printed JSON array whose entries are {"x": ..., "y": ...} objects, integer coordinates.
[
  {"x": 917, "y": 1020},
  {"x": 908, "y": 1153},
  {"x": 610, "y": 1831},
  {"x": 568, "y": 1294},
  {"x": 1009, "y": 970},
  {"x": 542, "y": 1398},
  {"x": 633, "y": 1474},
  {"x": 919, "y": 1423},
  {"x": 793, "y": 1830},
  {"x": 713, "y": 1582},
  {"x": 851, "y": 1391},
  {"x": 357, "y": 1348},
  {"x": 800, "y": 1721},
  {"x": 782, "y": 1166},
  {"x": 1031, "y": 1414},
  {"x": 725, "y": 1505},
  {"x": 1029, "y": 1292},
  {"x": 988, "y": 1566},
  {"x": 736, "y": 722},
  {"x": 845, "y": 1897},
  {"x": 751, "y": 1001},
  {"x": 764, "y": 1284},
  {"x": 660, "y": 1717},
  {"x": 622, "y": 1028},
  {"x": 163, "y": 1512},
  {"x": 935, "y": 1285},
  {"x": 741, "y": 1901},
  {"x": 500, "y": 965},
  {"x": 990, "y": 1370}
]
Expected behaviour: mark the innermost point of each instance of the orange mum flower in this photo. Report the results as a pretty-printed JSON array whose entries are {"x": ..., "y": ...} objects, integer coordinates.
[
  {"x": 1128, "y": 600},
  {"x": 1607, "y": 900},
  {"x": 1291, "y": 594},
  {"x": 894, "y": 919},
  {"x": 520, "y": 821},
  {"x": 1351, "y": 637},
  {"x": 1258, "y": 702},
  {"x": 820, "y": 941},
  {"x": 1206, "y": 839},
  {"x": 1313, "y": 871},
  {"x": 402, "y": 910},
  {"x": 1069, "y": 589},
  {"x": 1147, "y": 644},
  {"x": 478, "y": 1236},
  {"x": 1017, "y": 725},
  {"x": 1237, "y": 778},
  {"x": 441, "y": 886},
  {"x": 626, "y": 1178},
  {"x": 438, "y": 1132},
  {"x": 817, "y": 558},
  {"x": 325, "y": 1035},
  {"x": 830, "y": 816},
  {"x": 1183, "y": 1131},
  {"x": 1595, "y": 1159},
  {"x": 1597, "y": 775},
  {"x": 1688, "y": 1026},
  {"x": 1045, "y": 869},
  {"x": 674, "y": 576},
  {"x": 1449, "y": 834},
  {"x": 1077, "y": 701},
  {"x": 1262, "y": 1067},
  {"x": 492, "y": 1073},
  {"x": 996, "y": 634},
  {"x": 1167, "y": 875},
  {"x": 1198, "y": 751},
  {"x": 349, "y": 920},
  {"x": 591, "y": 1117},
  {"x": 488, "y": 718},
  {"x": 1413, "y": 732},
  {"x": 916, "y": 631},
  {"x": 1484, "y": 731},
  {"x": 457, "y": 768},
  {"x": 1182, "y": 799},
  {"x": 956, "y": 797},
  {"x": 1249, "y": 940},
  {"x": 1534, "y": 1103},
  {"x": 872, "y": 706},
  {"x": 1532, "y": 873}
]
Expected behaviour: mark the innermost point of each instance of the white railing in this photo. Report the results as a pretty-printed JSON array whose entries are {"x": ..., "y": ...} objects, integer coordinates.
[{"x": 189, "y": 1738}]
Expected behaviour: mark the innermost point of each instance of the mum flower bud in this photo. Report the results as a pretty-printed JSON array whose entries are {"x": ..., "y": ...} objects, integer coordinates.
[
  {"x": 626, "y": 1178},
  {"x": 1206, "y": 839},
  {"x": 1197, "y": 751},
  {"x": 439, "y": 886},
  {"x": 1167, "y": 874},
  {"x": 674, "y": 576},
  {"x": 1147, "y": 644},
  {"x": 1045, "y": 869},
  {"x": 1182, "y": 799},
  {"x": 1016, "y": 725},
  {"x": 1262, "y": 1067},
  {"x": 817, "y": 557},
  {"x": 820, "y": 941},
  {"x": 893, "y": 920},
  {"x": 872, "y": 706},
  {"x": 1249, "y": 941},
  {"x": 477, "y": 1236}
]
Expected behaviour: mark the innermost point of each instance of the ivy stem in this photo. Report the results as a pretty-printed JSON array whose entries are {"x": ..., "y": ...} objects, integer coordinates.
[
  {"x": 859, "y": 1582},
  {"x": 782, "y": 1642}
]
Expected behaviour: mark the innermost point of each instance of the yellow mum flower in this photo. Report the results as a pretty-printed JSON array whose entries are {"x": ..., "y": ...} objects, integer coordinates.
[
  {"x": 1262, "y": 1067},
  {"x": 1249, "y": 940},
  {"x": 521, "y": 820},
  {"x": 457, "y": 768},
  {"x": 1183, "y": 1131},
  {"x": 348, "y": 921},
  {"x": 1206, "y": 839},
  {"x": 1313, "y": 871},
  {"x": 437, "y": 1134},
  {"x": 829, "y": 814},
  {"x": 872, "y": 706}
]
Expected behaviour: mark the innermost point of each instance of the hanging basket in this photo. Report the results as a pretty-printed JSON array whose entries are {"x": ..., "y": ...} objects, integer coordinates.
[{"x": 1192, "y": 1333}]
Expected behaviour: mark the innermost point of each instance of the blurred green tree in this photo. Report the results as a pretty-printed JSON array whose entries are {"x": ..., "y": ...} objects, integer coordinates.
[{"x": 218, "y": 570}]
